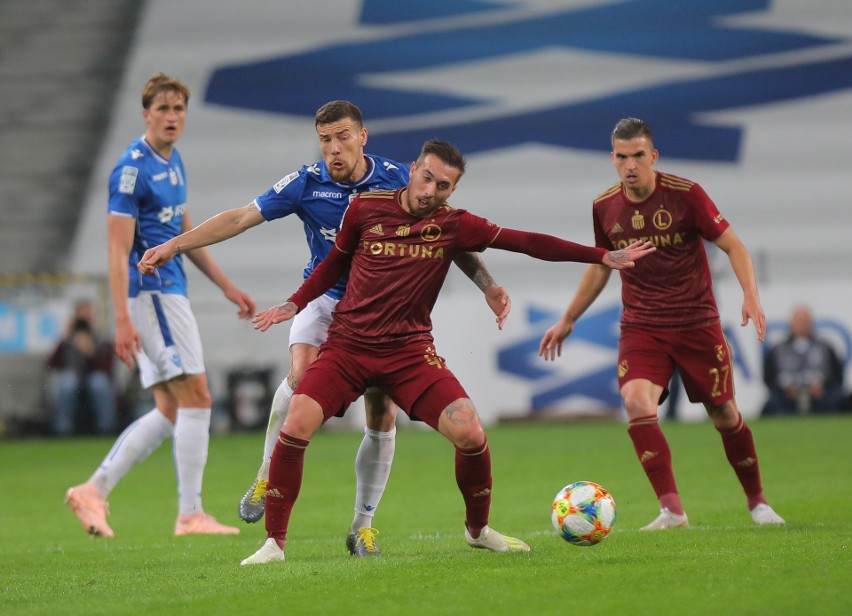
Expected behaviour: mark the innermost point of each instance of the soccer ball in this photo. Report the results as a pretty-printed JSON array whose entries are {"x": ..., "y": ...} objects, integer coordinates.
[{"x": 583, "y": 513}]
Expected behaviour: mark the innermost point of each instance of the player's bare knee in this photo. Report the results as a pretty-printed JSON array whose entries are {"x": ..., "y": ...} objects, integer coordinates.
[
  {"x": 472, "y": 436},
  {"x": 191, "y": 391},
  {"x": 460, "y": 423},
  {"x": 638, "y": 405},
  {"x": 304, "y": 417},
  {"x": 200, "y": 396},
  {"x": 725, "y": 416},
  {"x": 641, "y": 398}
]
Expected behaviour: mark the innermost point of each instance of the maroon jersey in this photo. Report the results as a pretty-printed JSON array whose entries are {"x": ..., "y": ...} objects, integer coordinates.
[
  {"x": 671, "y": 288},
  {"x": 398, "y": 263},
  {"x": 397, "y": 255}
]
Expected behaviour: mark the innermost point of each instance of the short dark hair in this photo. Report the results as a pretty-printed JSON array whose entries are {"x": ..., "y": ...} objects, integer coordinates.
[
  {"x": 334, "y": 111},
  {"x": 447, "y": 152},
  {"x": 630, "y": 128},
  {"x": 160, "y": 82}
]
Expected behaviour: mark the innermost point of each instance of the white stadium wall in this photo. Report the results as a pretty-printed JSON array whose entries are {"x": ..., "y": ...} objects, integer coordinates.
[{"x": 773, "y": 157}]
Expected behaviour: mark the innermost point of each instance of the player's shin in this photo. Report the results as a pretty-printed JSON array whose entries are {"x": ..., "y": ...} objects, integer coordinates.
[
  {"x": 473, "y": 476},
  {"x": 285, "y": 481},
  {"x": 654, "y": 454},
  {"x": 742, "y": 456}
]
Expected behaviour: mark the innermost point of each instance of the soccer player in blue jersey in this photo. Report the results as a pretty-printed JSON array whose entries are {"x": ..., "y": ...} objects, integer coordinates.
[
  {"x": 319, "y": 194},
  {"x": 155, "y": 327}
]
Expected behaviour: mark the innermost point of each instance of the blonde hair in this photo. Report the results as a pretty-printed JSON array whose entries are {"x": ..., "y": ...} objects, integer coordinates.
[{"x": 160, "y": 82}]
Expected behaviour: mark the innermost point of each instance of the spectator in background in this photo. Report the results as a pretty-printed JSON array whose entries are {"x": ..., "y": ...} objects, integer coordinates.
[
  {"x": 81, "y": 375},
  {"x": 803, "y": 372}
]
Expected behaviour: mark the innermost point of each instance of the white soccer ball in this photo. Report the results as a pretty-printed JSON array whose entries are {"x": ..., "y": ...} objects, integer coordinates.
[{"x": 583, "y": 513}]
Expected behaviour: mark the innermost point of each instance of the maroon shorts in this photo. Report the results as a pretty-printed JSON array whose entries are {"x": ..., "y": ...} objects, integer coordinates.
[
  {"x": 702, "y": 357},
  {"x": 414, "y": 377}
]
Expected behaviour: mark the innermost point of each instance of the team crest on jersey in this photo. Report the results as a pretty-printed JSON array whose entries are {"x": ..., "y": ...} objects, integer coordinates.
[
  {"x": 173, "y": 178},
  {"x": 638, "y": 221},
  {"x": 662, "y": 219},
  {"x": 430, "y": 232},
  {"x": 128, "y": 180},
  {"x": 280, "y": 184}
]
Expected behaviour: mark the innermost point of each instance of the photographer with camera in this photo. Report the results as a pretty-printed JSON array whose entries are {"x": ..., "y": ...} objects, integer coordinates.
[{"x": 81, "y": 375}]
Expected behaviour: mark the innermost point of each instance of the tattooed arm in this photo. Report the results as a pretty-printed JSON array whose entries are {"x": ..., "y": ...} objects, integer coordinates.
[{"x": 495, "y": 296}]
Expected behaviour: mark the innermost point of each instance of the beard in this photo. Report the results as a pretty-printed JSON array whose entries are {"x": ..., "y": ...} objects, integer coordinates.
[{"x": 341, "y": 176}]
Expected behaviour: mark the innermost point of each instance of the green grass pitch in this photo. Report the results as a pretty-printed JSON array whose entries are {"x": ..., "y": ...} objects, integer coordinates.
[{"x": 722, "y": 564}]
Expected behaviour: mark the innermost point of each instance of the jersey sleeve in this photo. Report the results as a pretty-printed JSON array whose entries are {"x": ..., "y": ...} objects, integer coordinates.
[
  {"x": 125, "y": 186},
  {"x": 324, "y": 276},
  {"x": 476, "y": 233},
  {"x": 349, "y": 234},
  {"x": 546, "y": 247},
  {"x": 601, "y": 238},
  {"x": 284, "y": 198},
  {"x": 710, "y": 222}
]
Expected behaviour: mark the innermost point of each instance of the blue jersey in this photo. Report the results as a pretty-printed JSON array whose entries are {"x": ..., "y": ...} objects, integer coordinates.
[
  {"x": 145, "y": 186},
  {"x": 320, "y": 202}
]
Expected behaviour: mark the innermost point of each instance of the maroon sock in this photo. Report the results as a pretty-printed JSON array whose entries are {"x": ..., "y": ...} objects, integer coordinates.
[
  {"x": 739, "y": 448},
  {"x": 654, "y": 454},
  {"x": 473, "y": 476},
  {"x": 285, "y": 481}
]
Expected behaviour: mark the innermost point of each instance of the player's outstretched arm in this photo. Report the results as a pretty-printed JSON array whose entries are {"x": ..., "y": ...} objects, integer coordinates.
[
  {"x": 221, "y": 227},
  {"x": 627, "y": 257},
  {"x": 265, "y": 319},
  {"x": 551, "y": 248}
]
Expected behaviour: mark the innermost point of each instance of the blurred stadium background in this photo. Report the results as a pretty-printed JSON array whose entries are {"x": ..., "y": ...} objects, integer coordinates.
[{"x": 749, "y": 98}]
